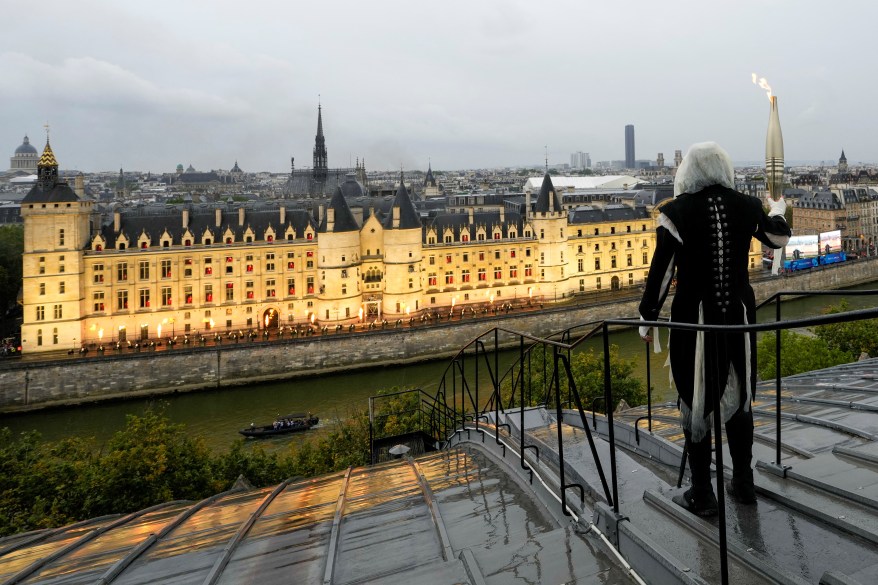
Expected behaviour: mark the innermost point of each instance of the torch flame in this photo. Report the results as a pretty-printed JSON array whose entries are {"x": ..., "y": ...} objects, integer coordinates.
[{"x": 762, "y": 83}]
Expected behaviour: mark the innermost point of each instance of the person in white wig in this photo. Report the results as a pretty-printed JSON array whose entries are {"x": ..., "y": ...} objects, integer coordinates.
[{"x": 703, "y": 240}]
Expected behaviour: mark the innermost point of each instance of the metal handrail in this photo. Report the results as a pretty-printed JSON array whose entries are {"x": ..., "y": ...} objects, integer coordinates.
[{"x": 518, "y": 382}]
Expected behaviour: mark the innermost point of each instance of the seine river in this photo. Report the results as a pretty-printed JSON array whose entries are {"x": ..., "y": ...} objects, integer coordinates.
[{"x": 216, "y": 415}]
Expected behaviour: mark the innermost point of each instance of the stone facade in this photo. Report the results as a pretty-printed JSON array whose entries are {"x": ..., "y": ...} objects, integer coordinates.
[{"x": 25, "y": 385}]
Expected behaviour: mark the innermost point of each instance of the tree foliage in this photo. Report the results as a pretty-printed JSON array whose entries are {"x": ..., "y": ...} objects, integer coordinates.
[
  {"x": 152, "y": 460},
  {"x": 587, "y": 370},
  {"x": 853, "y": 337},
  {"x": 799, "y": 353},
  {"x": 11, "y": 248}
]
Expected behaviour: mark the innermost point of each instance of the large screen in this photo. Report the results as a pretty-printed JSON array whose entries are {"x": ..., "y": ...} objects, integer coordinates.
[
  {"x": 830, "y": 242},
  {"x": 800, "y": 247}
]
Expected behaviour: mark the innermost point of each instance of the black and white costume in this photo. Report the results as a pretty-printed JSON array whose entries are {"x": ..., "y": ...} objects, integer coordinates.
[{"x": 703, "y": 240}]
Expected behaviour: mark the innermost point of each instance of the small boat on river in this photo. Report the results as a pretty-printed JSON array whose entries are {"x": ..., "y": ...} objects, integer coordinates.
[{"x": 282, "y": 425}]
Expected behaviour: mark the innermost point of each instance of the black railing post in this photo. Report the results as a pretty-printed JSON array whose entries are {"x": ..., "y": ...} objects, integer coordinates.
[
  {"x": 608, "y": 397},
  {"x": 649, "y": 386},
  {"x": 713, "y": 364},
  {"x": 371, "y": 440},
  {"x": 476, "y": 405},
  {"x": 558, "y": 423},
  {"x": 777, "y": 380}
]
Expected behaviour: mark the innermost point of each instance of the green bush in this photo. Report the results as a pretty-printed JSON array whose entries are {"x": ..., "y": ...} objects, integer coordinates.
[{"x": 799, "y": 353}]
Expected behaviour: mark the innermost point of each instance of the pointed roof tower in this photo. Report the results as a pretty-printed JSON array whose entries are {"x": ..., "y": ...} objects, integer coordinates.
[
  {"x": 342, "y": 219},
  {"x": 48, "y": 188},
  {"x": 548, "y": 200},
  {"x": 320, "y": 170},
  {"x": 429, "y": 180},
  {"x": 403, "y": 214}
]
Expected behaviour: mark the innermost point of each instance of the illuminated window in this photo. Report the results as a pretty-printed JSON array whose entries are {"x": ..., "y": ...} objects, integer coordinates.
[
  {"x": 122, "y": 300},
  {"x": 464, "y": 276},
  {"x": 166, "y": 269},
  {"x": 98, "y": 301},
  {"x": 482, "y": 274},
  {"x": 208, "y": 293},
  {"x": 144, "y": 298},
  {"x": 230, "y": 291},
  {"x": 166, "y": 296},
  {"x": 528, "y": 270}
]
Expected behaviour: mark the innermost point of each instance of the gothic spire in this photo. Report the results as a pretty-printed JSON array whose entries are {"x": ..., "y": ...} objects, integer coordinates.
[{"x": 320, "y": 169}]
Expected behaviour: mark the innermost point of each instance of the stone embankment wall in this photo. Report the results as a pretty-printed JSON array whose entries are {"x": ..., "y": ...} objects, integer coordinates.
[{"x": 28, "y": 385}]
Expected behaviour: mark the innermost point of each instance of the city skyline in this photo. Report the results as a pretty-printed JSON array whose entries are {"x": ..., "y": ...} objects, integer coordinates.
[{"x": 148, "y": 87}]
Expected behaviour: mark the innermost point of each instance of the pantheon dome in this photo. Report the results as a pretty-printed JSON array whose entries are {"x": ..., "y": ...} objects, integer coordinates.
[{"x": 25, "y": 157}]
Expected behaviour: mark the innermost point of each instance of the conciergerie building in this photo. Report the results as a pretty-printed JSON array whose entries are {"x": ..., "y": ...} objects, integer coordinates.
[{"x": 144, "y": 273}]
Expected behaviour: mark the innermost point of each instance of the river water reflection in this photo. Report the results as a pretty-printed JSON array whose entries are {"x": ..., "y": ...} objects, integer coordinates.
[{"x": 216, "y": 415}]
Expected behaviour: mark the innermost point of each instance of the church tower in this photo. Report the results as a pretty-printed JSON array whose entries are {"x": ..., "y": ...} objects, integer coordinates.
[
  {"x": 431, "y": 188},
  {"x": 57, "y": 228},
  {"x": 842, "y": 163},
  {"x": 320, "y": 170}
]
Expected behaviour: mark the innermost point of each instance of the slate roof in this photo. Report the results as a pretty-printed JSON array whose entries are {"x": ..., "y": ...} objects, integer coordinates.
[
  {"x": 593, "y": 214},
  {"x": 819, "y": 200},
  {"x": 460, "y": 223},
  {"x": 154, "y": 220},
  {"x": 543, "y": 199},
  {"x": 301, "y": 182},
  {"x": 58, "y": 193},
  {"x": 344, "y": 220},
  {"x": 408, "y": 215}
]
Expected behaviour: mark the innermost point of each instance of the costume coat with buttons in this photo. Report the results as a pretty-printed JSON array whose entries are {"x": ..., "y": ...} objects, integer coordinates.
[{"x": 704, "y": 237}]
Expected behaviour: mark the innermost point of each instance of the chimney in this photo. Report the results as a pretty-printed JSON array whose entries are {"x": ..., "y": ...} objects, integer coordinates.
[
  {"x": 79, "y": 185},
  {"x": 241, "y": 216},
  {"x": 319, "y": 214},
  {"x": 551, "y": 202},
  {"x": 395, "y": 217},
  {"x": 470, "y": 211},
  {"x": 526, "y": 204},
  {"x": 503, "y": 214},
  {"x": 117, "y": 221},
  {"x": 185, "y": 217},
  {"x": 283, "y": 215},
  {"x": 219, "y": 217},
  {"x": 330, "y": 219}
]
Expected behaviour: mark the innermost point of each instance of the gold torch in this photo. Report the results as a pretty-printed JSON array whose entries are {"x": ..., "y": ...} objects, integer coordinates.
[{"x": 773, "y": 158}]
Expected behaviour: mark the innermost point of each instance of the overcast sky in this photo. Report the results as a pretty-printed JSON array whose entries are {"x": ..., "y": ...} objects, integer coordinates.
[{"x": 481, "y": 83}]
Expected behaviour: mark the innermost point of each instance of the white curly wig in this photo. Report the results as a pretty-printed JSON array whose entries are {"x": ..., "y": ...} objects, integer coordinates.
[{"x": 704, "y": 165}]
